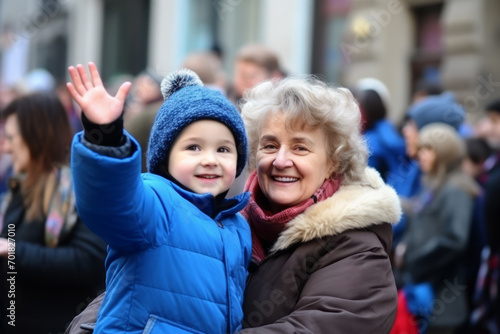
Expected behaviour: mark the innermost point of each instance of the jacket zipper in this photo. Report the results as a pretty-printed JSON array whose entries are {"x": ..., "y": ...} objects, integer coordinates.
[{"x": 221, "y": 226}]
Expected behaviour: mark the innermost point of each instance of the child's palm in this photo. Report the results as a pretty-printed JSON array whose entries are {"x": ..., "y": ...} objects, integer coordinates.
[{"x": 99, "y": 107}]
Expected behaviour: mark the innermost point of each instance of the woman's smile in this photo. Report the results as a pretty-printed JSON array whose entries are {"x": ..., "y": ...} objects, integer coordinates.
[{"x": 285, "y": 179}]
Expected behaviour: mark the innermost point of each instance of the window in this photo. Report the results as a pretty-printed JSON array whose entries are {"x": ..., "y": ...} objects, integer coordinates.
[
  {"x": 331, "y": 19},
  {"x": 426, "y": 60},
  {"x": 125, "y": 39}
]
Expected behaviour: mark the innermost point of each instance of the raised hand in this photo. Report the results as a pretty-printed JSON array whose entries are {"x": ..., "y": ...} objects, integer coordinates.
[{"x": 97, "y": 105}]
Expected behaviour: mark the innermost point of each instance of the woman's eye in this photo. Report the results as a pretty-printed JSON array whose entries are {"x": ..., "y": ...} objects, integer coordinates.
[
  {"x": 269, "y": 147},
  {"x": 193, "y": 148},
  {"x": 302, "y": 149}
]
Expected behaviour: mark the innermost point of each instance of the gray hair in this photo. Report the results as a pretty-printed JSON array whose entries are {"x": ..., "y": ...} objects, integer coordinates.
[{"x": 307, "y": 102}]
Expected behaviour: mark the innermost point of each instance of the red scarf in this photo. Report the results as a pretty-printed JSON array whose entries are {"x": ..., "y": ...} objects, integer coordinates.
[{"x": 266, "y": 226}]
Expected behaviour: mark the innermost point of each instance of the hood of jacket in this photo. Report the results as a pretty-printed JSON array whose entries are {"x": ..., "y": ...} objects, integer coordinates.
[{"x": 359, "y": 205}]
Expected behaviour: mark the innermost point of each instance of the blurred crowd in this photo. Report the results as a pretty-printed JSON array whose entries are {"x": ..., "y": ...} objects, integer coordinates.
[
  {"x": 445, "y": 169},
  {"x": 447, "y": 174}
]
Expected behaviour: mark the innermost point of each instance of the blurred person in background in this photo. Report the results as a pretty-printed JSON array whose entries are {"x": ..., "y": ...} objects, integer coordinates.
[
  {"x": 5, "y": 163},
  {"x": 486, "y": 315},
  {"x": 38, "y": 80},
  {"x": 209, "y": 68},
  {"x": 492, "y": 186},
  {"x": 145, "y": 91},
  {"x": 144, "y": 101},
  {"x": 437, "y": 232},
  {"x": 441, "y": 108},
  {"x": 424, "y": 89},
  {"x": 74, "y": 114},
  {"x": 477, "y": 152},
  {"x": 430, "y": 108},
  {"x": 59, "y": 263},
  {"x": 386, "y": 146},
  {"x": 7, "y": 94},
  {"x": 254, "y": 63}
]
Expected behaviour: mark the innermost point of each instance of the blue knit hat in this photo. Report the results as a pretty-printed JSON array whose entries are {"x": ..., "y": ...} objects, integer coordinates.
[
  {"x": 187, "y": 101},
  {"x": 437, "y": 109}
]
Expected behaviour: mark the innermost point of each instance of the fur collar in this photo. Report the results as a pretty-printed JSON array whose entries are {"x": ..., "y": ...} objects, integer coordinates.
[{"x": 364, "y": 203}]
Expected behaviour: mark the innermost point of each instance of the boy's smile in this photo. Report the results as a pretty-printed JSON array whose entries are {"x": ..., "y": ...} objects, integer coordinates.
[{"x": 204, "y": 157}]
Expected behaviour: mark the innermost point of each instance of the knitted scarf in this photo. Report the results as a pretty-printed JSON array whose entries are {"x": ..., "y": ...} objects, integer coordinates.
[
  {"x": 267, "y": 226},
  {"x": 61, "y": 216}
]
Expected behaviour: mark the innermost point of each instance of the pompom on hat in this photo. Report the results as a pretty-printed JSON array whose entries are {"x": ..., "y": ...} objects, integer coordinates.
[{"x": 187, "y": 101}]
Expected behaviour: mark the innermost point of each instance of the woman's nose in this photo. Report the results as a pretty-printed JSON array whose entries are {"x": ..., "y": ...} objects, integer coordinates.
[{"x": 282, "y": 158}]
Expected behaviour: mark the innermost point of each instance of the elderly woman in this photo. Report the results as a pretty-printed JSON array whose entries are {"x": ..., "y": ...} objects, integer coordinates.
[{"x": 320, "y": 218}]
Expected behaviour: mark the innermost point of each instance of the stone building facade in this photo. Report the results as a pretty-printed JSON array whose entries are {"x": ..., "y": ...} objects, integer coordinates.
[{"x": 400, "y": 42}]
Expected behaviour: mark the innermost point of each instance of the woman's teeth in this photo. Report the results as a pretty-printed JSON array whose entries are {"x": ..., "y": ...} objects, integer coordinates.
[{"x": 285, "y": 179}]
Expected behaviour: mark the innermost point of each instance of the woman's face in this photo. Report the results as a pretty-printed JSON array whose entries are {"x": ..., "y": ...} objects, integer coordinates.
[
  {"x": 15, "y": 145},
  {"x": 291, "y": 164},
  {"x": 427, "y": 159},
  {"x": 410, "y": 134}
]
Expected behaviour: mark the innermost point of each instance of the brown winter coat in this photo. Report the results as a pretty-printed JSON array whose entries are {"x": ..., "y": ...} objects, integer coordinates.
[{"x": 329, "y": 271}]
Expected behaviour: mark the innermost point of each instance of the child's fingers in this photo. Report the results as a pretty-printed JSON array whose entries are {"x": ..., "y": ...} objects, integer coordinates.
[
  {"x": 123, "y": 91},
  {"x": 94, "y": 75},
  {"x": 83, "y": 75},
  {"x": 77, "y": 81},
  {"x": 74, "y": 93}
]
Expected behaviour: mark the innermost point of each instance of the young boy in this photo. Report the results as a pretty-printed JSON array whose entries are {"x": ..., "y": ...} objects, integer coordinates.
[{"x": 178, "y": 251}]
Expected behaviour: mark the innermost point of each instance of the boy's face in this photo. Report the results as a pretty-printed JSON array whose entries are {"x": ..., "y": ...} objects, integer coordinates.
[{"x": 204, "y": 157}]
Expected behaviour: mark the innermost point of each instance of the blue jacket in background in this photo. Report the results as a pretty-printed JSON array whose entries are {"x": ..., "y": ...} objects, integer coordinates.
[
  {"x": 387, "y": 154},
  {"x": 174, "y": 264}
]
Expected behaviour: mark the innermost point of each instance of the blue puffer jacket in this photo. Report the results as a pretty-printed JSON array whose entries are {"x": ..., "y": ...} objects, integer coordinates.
[
  {"x": 174, "y": 264},
  {"x": 387, "y": 152}
]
